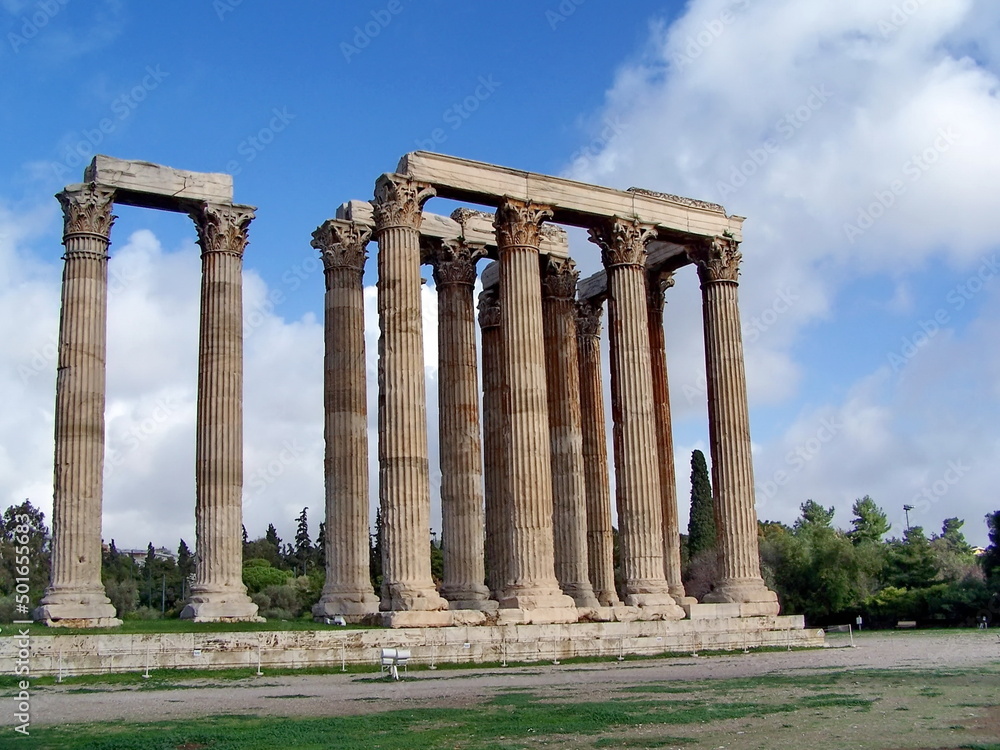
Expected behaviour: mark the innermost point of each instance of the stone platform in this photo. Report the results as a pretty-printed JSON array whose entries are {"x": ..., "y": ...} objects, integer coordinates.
[{"x": 96, "y": 654}]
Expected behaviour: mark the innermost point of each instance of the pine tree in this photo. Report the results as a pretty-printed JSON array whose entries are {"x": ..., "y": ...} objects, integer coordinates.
[
  {"x": 870, "y": 522},
  {"x": 303, "y": 544},
  {"x": 814, "y": 516},
  {"x": 701, "y": 525}
]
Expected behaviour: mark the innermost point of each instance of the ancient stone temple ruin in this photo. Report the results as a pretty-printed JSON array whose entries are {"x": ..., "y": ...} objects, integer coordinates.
[{"x": 525, "y": 475}]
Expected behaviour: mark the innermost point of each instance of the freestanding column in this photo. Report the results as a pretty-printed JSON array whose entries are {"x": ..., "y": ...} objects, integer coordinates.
[
  {"x": 496, "y": 475},
  {"x": 729, "y": 430},
  {"x": 348, "y": 589},
  {"x": 640, "y": 520},
  {"x": 658, "y": 283},
  {"x": 531, "y": 582},
  {"x": 75, "y": 595},
  {"x": 569, "y": 490},
  {"x": 600, "y": 537},
  {"x": 462, "y": 514},
  {"x": 404, "y": 477},
  {"x": 218, "y": 593}
]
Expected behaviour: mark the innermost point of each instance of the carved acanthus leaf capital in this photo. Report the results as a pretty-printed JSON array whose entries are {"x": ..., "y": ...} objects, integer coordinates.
[
  {"x": 342, "y": 244},
  {"x": 489, "y": 308},
  {"x": 622, "y": 241},
  {"x": 588, "y": 318},
  {"x": 518, "y": 223},
  {"x": 222, "y": 227},
  {"x": 88, "y": 210},
  {"x": 454, "y": 261},
  {"x": 718, "y": 259},
  {"x": 657, "y": 283},
  {"x": 560, "y": 279},
  {"x": 399, "y": 202}
]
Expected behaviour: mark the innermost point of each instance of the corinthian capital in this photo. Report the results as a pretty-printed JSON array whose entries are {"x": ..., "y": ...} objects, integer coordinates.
[
  {"x": 88, "y": 210},
  {"x": 622, "y": 242},
  {"x": 718, "y": 259},
  {"x": 399, "y": 201},
  {"x": 657, "y": 283},
  {"x": 222, "y": 227},
  {"x": 588, "y": 318},
  {"x": 454, "y": 261},
  {"x": 342, "y": 244},
  {"x": 560, "y": 278},
  {"x": 518, "y": 223},
  {"x": 489, "y": 308}
]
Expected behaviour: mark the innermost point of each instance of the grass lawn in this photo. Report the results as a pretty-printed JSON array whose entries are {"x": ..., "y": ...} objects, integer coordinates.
[{"x": 832, "y": 709}]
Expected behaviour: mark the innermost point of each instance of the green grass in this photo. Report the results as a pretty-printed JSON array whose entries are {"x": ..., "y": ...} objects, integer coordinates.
[{"x": 502, "y": 723}]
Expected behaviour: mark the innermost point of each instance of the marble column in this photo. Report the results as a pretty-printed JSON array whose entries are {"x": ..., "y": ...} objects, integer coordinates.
[
  {"x": 75, "y": 595},
  {"x": 404, "y": 475},
  {"x": 348, "y": 589},
  {"x": 640, "y": 520},
  {"x": 600, "y": 537},
  {"x": 495, "y": 472},
  {"x": 729, "y": 431},
  {"x": 658, "y": 283},
  {"x": 531, "y": 581},
  {"x": 218, "y": 593},
  {"x": 569, "y": 490},
  {"x": 462, "y": 513}
]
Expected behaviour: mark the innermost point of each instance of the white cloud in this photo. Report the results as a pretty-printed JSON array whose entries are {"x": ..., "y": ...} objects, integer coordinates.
[{"x": 807, "y": 119}]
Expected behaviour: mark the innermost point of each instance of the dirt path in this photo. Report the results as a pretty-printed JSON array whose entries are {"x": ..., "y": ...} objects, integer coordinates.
[{"x": 336, "y": 694}]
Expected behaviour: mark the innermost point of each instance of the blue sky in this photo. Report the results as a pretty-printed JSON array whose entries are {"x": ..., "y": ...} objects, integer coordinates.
[{"x": 861, "y": 138}]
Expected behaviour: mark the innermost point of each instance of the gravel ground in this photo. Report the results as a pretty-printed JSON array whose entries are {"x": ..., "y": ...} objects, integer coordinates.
[{"x": 343, "y": 694}]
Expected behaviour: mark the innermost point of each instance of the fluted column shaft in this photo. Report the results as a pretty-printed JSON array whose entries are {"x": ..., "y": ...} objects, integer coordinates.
[
  {"x": 531, "y": 579},
  {"x": 218, "y": 592},
  {"x": 348, "y": 589},
  {"x": 600, "y": 537},
  {"x": 75, "y": 592},
  {"x": 569, "y": 491},
  {"x": 658, "y": 283},
  {"x": 495, "y": 472},
  {"x": 638, "y": 481},
  {"x": 404, "y": 478},
  {"x": 462, "y": 513},
  {"x": 729, "y": 427}
]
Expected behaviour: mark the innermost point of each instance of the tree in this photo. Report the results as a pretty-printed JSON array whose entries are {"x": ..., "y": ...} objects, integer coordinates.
[
  {"x": 302, "y": 551},
  {"x": 911, "y": 563},
  {"x": 814, "y": 516},
  {"x": 870, "y": 522},
  {"x": 701, "y": 525},
  {"x": 991, "y": 558},
  {"x": 23, "y": 533},
  {"x": 271, "y": 535},
  {"x": 953, "y": 554}
]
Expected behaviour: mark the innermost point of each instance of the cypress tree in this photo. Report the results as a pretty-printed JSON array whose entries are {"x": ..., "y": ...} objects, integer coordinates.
[{"x": 701, "y": 525}]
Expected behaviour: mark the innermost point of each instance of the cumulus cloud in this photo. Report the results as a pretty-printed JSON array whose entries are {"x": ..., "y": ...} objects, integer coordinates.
[{"x": 860, "y": 141}]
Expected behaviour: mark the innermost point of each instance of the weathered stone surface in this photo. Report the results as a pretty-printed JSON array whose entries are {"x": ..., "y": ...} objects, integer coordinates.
[
  {"x": 137, "y": 180},
  {"x": 572, "y": 202},
  {"x": 472, "y": 227},
  {"x": 218, "y": 593},
  {"x": 75, "y": 596},
  {"x": 729, "y": 428}
]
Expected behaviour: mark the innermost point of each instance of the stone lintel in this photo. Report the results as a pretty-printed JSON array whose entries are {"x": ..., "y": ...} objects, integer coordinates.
[
  {"x": 148, "y": 185},
  {"x": 660, "y": 256},
  {"x": 574, "y": 203},
  {"x": 475, "y": 229}
]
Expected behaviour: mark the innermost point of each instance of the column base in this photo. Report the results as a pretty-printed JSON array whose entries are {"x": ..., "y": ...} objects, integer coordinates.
[
  {"x": 403, "y": 598},
  {"x": 65, "y": 608},
  {"x": 538, "y": 615},
  {"x": 469, "y": 597},
  {"x": 608, "y": 598},
  {"x": 536, "y": 597},
  {"x": 582, "y": 596},
  {"x": 221, "y": 605},
  {"x": 750, "y": 591},
  {"x": 353, "y": 606}
]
